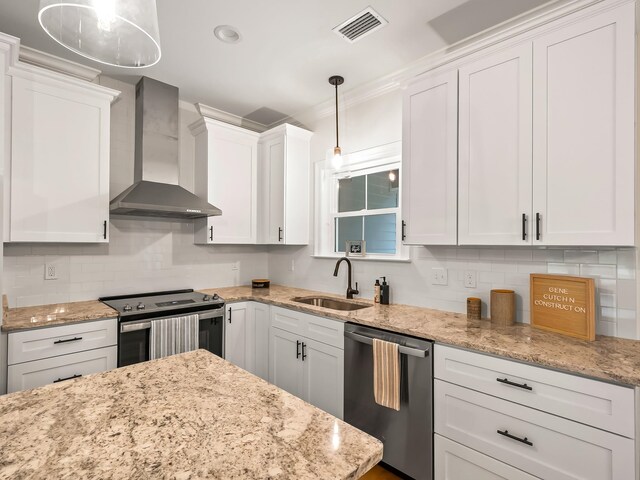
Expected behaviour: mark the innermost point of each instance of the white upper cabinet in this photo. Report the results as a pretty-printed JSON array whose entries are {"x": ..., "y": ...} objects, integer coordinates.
[
  {"x": 495, "y": 149},
  {"x": 584, "y": 131},
  {"x": 59, "y": 162},
  {"x": 226, "y": 175},
  {"x": 429, "y": 160},
  {"x": 283, "y": 165}
]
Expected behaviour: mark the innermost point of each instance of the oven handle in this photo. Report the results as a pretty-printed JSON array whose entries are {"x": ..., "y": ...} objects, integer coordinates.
[
  {"x": 414, "y": 352},
  {"x": 134, "y": 327}
]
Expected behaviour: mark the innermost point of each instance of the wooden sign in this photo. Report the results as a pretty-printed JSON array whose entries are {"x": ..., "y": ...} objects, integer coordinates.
[{"x": 564, "y": 304}]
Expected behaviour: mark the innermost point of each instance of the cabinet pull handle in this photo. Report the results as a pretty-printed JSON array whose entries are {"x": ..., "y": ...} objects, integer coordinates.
[
  {"x": 74, "y": 339},
  {"x": 403, "y": 230},
  {"x": 229, "y": 314},
  {"x": 67, "y": 378},
  {"x": 211, "y": 233},
  {"x": 279, "y": 234},
  {"x": 304, "y": 355},
  {"x": 524, "y": 440},
  {"x": 524, "y": 226},
  {"x": 298, "y": 343},
  {"x": 506, "y": 381},
  {"x": 537, "y": 226},
  {"x": 104, "y": 230}
]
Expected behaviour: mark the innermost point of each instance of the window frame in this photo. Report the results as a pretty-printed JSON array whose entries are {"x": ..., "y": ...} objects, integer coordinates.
[
  {"x": 373, "y": 160},
  {"x": 365, "y": 212}
]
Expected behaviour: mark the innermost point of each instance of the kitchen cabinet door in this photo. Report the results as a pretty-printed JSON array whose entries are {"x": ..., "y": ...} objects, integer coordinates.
[
  {"x": 285, "y": 366},
  {"x": 284, "y": 163},
  {"x": 59, "y": 169},
  {"x": 430, "y": 160},
  {"x": 226, "y": 175},
  {"x": 495, "y": 149},
  {"x": 257, "y": 340},
  {"x": 235, "y": 334},
  {"x": 584, "y": 131},
  {"x": 323, "y": 376}
]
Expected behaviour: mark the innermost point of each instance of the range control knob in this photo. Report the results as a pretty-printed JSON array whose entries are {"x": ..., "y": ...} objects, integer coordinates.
[
  {"x": 206, "y": 298},
  {"x": 215, "y": 297},
  {"x": 140, "y": 306},
  {"x": 127, "y": 308}
]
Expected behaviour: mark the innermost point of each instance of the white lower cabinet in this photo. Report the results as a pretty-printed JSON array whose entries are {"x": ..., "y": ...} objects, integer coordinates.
[
  {"x": 493, "y": 414},
  {"x": 24, "y": 376},
  {"x": 50, "y": 355},
  {"x": 454, "y": 461},
  {"x": 246, "y": 337},
  {"x": 305, "y": 365}
]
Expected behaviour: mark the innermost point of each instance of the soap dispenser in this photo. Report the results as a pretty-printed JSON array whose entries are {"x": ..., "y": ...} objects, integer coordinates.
[
  {"x": 384, "y": 292},
  {"x": 376, "y": 291}
]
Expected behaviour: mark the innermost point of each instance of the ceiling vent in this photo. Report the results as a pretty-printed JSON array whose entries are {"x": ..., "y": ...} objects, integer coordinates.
[{"x": 360, "y": 25}]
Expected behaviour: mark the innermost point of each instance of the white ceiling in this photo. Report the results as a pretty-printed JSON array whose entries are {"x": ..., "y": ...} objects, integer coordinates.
[{"x": 288, "y": 50}]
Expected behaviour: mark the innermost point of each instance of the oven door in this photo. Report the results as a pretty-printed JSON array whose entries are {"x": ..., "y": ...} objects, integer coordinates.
[{"x": 133, "y": 339}]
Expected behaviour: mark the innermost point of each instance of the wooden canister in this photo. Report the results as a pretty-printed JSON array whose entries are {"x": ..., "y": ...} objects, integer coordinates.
[
  {"x": 503, "y": 307},
  {"x": 474, "y": 308}
]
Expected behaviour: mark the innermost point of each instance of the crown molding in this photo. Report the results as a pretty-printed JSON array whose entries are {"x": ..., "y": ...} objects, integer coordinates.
[
  {"x": 226, "y": 117},
  {"x": 41, "y": 59}
]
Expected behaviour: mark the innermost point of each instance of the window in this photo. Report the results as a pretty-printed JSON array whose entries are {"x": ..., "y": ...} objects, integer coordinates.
[
  {"x": 361, "y": 201},
  {"x": 368, "y": 209}
]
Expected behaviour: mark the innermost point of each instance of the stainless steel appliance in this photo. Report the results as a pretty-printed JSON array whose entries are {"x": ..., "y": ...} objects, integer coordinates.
[
  {"x": 155, "y": 191},
  {"x": 407, "y": 434},
  {"x": 136, "y": 312}
]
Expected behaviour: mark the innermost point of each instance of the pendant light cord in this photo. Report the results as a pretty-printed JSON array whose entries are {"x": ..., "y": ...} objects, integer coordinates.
[{"x": 337, "y": 137}]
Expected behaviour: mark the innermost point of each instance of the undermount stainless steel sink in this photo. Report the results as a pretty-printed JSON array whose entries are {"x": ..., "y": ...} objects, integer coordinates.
[{"x": 331, "y": 303}]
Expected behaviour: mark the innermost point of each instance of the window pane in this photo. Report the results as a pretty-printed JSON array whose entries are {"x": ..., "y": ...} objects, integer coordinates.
[
  {"x": 382, "y": 190},
  {"x": 380, "y": 233},
  {"x": 351, "y": 194},
  {"x": 348, "y": 228}
]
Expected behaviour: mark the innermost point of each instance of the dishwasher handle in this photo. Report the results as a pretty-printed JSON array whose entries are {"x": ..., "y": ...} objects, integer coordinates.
[{"x": 414, "y": 352}]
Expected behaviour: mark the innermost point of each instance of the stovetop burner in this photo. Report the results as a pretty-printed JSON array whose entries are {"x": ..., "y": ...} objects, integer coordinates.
[{"x": 155, "y": 304}]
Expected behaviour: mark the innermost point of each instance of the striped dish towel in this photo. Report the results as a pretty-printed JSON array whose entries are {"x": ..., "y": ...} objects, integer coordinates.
[
  {"x": 386, "y": 374},
  {"x": 169, "y": 336},
  {"x": 187, "y": 329}
]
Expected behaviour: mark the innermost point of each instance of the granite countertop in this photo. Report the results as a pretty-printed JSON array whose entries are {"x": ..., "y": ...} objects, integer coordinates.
[
  {"x": 24, "y": 318},
  {"x": 188, "y": 416},
  {"x": 608, "y": 358}
]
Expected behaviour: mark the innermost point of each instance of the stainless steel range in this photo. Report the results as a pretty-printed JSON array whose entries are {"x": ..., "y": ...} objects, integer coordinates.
[{"x": 147, "y": 320}]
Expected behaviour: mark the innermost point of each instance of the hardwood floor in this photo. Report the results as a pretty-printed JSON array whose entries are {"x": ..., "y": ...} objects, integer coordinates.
[{"x": 379, "y": 473}]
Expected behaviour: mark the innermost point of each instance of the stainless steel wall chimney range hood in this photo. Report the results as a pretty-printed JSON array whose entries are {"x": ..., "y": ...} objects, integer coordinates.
[{"x": 155, "y": 192}]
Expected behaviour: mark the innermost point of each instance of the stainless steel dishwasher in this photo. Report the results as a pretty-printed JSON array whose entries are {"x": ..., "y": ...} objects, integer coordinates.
[{"x": 407, "y": 434}]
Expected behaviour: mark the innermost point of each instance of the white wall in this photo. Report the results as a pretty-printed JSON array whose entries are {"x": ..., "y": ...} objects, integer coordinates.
[
  {"x": 378, "y": 122},
  {"x": 143, "y": 254}
]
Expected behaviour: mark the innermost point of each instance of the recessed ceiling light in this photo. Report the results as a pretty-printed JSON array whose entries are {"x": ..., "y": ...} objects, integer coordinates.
[{"x": 227, "y": 34}]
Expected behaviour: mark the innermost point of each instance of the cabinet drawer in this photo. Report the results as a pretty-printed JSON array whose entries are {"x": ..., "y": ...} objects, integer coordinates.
[
  {"x": 316, "y": 328},
  {"x": 591, "y": 402},
  {"x": 541, "y": 444},
  {"x": 456, "y": 462},
  {"x": 53, "y": 370},
  {"x": 50, "y": 342}
]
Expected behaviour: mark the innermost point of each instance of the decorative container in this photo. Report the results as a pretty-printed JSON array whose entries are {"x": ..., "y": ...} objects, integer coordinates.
[{"x": 503, "y": 307}]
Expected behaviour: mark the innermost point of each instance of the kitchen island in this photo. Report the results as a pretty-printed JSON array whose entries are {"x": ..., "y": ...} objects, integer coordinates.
[{"x": 188, "y": 416}]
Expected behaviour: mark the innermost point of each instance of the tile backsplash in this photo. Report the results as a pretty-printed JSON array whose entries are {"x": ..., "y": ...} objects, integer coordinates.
[
  {"x": 142, "y": 255},
  {"x": 495, "y": 267}
]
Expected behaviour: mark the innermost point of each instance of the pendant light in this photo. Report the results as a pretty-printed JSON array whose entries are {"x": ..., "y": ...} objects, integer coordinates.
[
  {"x": 122, "y": 33},
  {"x": 336, "y": 158}
]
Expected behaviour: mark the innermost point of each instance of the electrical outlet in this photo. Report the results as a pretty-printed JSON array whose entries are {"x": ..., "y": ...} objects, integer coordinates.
[
  {"x": 235, "y": 266},
  {"x": 292, "y": 267},
  {"x": 439, "y": 276},
  {"x": 470, "y": 279},
  {"x": 50, "y": 272}
]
